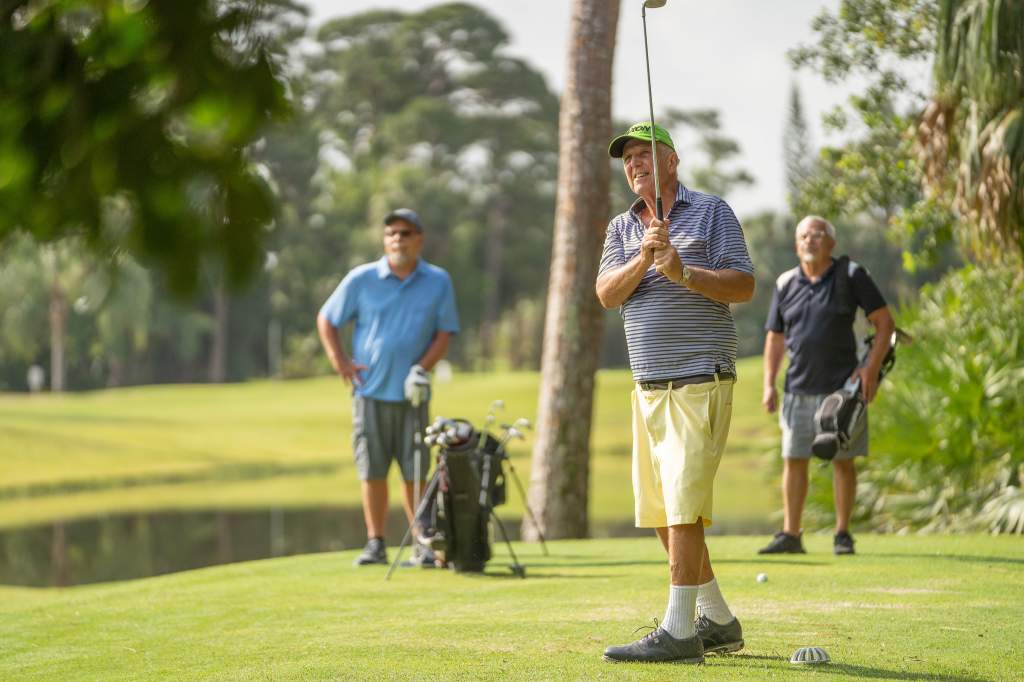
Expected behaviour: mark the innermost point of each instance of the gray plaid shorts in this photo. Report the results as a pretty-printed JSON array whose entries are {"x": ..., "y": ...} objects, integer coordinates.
[
  {"x": 383, "y": 431},
  {"x": 797, "y": 421}
]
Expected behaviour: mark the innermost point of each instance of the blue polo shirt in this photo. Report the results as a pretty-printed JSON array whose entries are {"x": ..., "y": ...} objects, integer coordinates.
[
  {"x": 395, "y": 321},
  {"x": 818, "y": 327}
]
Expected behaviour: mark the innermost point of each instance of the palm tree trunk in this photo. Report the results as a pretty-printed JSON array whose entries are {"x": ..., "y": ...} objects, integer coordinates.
[
  {"x": 218, "y": 351},
  {"x": 58, "y": 328},
  {"x": 572, "y": 330},
  {"x": 494, "y": 255}
]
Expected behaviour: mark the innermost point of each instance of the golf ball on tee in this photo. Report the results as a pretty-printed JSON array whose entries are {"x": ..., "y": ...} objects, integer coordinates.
[{"x": 762, "y": 577}]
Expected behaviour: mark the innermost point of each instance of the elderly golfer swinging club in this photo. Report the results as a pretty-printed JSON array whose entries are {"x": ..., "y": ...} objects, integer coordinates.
[{"x": 672, "y": 270}]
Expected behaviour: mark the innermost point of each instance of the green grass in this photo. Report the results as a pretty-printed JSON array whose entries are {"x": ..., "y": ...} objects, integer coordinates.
[
  {"x": 263, "y": 444},
  {"x": 943, "y": 608}
]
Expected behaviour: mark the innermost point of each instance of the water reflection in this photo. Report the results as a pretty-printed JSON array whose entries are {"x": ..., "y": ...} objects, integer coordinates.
[
  {"x": 133, "y": 546},
  {"x": 125, "y": 547}
]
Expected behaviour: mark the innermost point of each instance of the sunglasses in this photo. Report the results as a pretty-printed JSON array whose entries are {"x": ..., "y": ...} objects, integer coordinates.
[{"x": 399, "y": 233}]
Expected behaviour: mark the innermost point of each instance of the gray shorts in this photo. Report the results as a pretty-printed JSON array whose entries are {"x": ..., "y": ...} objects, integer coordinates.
[
  {"x": 382, "y": 431},
  {"x": 797, "y": 421}
]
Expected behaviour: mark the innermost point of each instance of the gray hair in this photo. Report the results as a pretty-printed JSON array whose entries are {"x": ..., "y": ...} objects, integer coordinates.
[{"x": 829, "y": 228}]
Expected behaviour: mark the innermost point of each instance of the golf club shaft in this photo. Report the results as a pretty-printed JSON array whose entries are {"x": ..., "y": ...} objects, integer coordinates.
[
  {"x": 526, "y": 506},
  {"x": 417, "y": 449},
  {"x": 650, "y": 103}
]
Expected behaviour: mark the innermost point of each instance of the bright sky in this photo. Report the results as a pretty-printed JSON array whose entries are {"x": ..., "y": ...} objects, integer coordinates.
[{"x": 728, "y": 55}]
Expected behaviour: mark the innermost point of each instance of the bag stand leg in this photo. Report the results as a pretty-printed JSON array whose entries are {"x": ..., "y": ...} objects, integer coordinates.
[
  {"x": 516, "y": 567},
  {"x": 526, "y": 506},
  {"x": 428, "y": 495}
]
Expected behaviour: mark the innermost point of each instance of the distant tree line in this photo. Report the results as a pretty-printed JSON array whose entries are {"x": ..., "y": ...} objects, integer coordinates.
[{"x": 189, "y": 229}]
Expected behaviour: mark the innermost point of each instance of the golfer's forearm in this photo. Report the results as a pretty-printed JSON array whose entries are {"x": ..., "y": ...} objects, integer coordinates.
[
  {"x": 884, "y": 326},
  {"x": 332, "y": 346},
  {"x": 774, "y": 347},
  {"x": 724, "y": 286},
  {"x": 614, "y": 287},
  {"x": 437, "y": 349}
]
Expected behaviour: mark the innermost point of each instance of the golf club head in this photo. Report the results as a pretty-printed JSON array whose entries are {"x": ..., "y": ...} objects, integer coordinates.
[
  {"x": 522, "y": 423},
  {"x": 516, "y": 433},
  {"x": 654, "y": 4}
]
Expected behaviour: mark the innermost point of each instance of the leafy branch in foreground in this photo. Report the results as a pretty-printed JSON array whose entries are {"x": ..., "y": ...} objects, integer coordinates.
[{"x": 126, "y": 124}]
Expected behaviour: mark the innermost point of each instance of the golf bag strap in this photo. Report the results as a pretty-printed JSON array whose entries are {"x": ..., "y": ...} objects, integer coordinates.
[{"x": 844, "y": 303}]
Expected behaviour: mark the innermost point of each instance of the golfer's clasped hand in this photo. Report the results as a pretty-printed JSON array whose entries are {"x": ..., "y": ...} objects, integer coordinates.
[
  {"x": 657, "y": 247},
  {"x": 417, "y": 386}
]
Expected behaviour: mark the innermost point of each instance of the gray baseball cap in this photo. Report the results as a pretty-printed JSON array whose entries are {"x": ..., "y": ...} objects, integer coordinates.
[{"x": 406, "y": 214}]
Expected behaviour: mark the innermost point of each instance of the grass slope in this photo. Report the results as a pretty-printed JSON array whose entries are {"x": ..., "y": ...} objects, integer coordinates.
[
  {"x": 905, "y": 608},
  {"x": 262, "y": 444}
]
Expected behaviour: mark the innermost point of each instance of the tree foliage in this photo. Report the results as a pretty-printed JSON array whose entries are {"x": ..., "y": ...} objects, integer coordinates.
[
  {"x": 421, "y": 109},
  {"x": 947, "y": 447},
  {"x": 973, "y": 127},
  {"x": 126, "y": 124},
  {"x": 962, "y": 143},
  {"x": 797, "y": 148}
]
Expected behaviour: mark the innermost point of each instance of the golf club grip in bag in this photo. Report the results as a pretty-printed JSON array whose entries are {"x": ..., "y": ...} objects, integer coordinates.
[{"x": 841, "y": 418}]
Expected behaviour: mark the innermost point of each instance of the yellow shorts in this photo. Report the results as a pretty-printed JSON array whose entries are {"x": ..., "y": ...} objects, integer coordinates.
[{"x": 678, "y": 439}]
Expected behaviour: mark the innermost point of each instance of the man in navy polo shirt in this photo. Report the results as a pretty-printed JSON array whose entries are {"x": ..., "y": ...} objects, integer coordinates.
[
  {"x": 811, "y": 317},
  {"x": 404, "y": 313}
]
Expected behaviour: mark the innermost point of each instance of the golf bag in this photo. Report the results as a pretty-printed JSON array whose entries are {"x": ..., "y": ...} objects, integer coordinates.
[
  {"x": 454, "y": 518},
  {"x": 841, "y": 418}
]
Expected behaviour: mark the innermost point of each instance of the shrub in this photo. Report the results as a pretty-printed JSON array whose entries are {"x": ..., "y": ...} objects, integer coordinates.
[{"x": 948, "y": 425}]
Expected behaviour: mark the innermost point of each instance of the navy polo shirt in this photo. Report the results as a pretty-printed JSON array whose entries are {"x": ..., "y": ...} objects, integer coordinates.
[
  {"x": 818, "y": 327},
  {"x": 395, "y": 321}
]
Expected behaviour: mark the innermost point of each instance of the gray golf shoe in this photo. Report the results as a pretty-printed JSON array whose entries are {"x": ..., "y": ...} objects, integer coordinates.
[
  {"x": 719, "y": 638},
  {"x": 657, "y": 646},
  {"x": 842, "y": 543},
  {"x": 422, "y": 557},
  {"x": 784, "y": 543},
  {"x": 373, "y": 553}
]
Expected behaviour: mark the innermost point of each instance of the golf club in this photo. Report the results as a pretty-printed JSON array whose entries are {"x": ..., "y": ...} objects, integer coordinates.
[
  {"x": 495, "y": 406},
  {"x": 652, "y": 4}
]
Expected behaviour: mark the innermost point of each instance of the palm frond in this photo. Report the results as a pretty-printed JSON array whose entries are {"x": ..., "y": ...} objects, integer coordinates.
[{"x": 974, "y": 125}]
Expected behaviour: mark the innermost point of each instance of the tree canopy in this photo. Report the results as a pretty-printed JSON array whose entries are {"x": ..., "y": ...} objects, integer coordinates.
[
  {"x": 126, "y": 125},
  {"x": 973, "y": 127}
]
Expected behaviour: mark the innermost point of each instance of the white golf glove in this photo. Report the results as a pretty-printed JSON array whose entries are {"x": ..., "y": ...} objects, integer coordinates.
[{"x": 417, "y": 386}]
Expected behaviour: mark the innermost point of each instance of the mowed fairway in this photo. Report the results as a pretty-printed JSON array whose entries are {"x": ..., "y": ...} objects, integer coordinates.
[
  {"x": 265, "y": 444},
  {"x": 906, "y": 608}
]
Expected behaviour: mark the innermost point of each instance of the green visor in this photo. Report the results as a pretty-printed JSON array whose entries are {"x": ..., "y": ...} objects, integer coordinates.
[{"x": 639, "y": 131}]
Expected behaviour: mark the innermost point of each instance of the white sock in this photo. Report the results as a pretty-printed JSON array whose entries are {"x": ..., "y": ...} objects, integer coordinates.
[
  {"x": 711, "y": 604},
  {"x": 682, "y": 605}
]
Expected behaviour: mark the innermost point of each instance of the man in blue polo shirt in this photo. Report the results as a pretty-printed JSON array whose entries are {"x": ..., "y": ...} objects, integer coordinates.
[
  {"x": 673, "y": 281},
  {"x": 811, "y": 316},
  {"x": 404, "y": 314}
]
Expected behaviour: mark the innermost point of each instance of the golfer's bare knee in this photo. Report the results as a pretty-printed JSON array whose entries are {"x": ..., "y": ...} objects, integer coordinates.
[
  {"x": 844, "y": 466},
  {"x": 795, "y": 465}
]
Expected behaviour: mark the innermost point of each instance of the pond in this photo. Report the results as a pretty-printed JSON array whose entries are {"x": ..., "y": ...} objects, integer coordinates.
[{"x": 129, "y": 546}]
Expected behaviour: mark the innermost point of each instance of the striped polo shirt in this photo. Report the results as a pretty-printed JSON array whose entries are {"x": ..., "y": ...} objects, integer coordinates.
[{"x": 672, "y": 331}]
